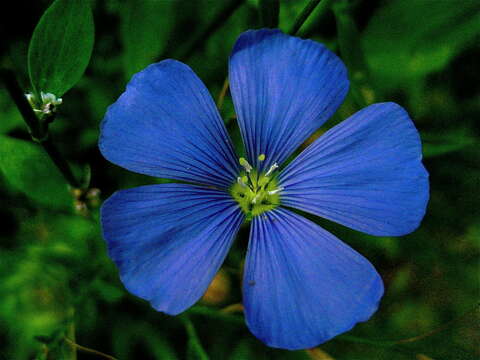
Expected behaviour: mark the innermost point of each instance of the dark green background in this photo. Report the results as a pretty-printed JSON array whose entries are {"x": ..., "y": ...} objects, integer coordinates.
[{"x": 56, "y": 280}]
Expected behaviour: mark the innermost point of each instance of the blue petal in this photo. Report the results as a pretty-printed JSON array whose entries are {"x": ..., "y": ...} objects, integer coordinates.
[
  {"x": 365, "y": 173},
  {"x": 169, "y": 240},
  {"x": 166, "y": 124},
  {"x": 283, "y": 88},
  {"x": 303, "y": 286}
]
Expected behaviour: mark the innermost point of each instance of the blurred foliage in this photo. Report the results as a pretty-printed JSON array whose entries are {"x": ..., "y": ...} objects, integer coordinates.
[
  {"x": 143, "y": 36},
  {"x": 28, "y": 169},
  {"x": 57, "y": 283}
]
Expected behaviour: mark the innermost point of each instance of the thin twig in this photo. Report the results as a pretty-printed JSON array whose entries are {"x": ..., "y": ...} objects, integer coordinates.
[
  {"x": 223, "y": 92},
  {"x": 88, "y": 350}
]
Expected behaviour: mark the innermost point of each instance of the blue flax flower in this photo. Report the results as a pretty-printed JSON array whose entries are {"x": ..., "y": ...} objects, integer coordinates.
[{"x": 301, "y": 285}]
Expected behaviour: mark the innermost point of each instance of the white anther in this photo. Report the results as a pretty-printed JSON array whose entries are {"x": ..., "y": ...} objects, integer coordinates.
[
  {"x": 31, "y": 98},
  {"x": 272, "y": 169},
  {"x": 49, "y": 98},
  {"x": 48, "y": 103},
  {"x": 273, "y": 192},
  {"x": 246, "y": 165},
  {"x": 240, "y": 181}
]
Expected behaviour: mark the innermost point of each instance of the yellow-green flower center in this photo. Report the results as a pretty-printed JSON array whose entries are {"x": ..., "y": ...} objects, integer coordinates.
[{"x": 256, "y": 192}]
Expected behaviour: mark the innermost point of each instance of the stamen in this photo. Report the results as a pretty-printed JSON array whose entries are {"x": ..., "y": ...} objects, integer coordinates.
[
  {"x": 263, "y": 181},
  {"x": 272, "y": 169},
  {"x": 273, "y": 192},
  {"x": 30, "y": 98},
  {"x": 245, "y": 165},
  {"x": 256, "y": 192},
  {"x": 50, "y": 98},
  {"x": 45, "y": 105},
  {"x": 241, "y": 182}
]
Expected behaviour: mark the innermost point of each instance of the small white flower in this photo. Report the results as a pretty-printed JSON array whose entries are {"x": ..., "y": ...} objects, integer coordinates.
[{"x": 48, "y": 103}]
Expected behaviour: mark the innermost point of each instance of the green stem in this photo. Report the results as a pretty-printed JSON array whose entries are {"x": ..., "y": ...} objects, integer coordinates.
[
  {"x": 307, "y": 11},
  {"x": 23, "y": 106},
  {"x": 60, "y": 162},
  {"x": 38, "y": 132},
  {"x": 71, "y": 333},
  {"x": 193, "y": 339},
  {"x": 220, "y": 18}
]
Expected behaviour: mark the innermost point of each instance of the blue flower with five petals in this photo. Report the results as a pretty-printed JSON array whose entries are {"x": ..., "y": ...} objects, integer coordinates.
[{"x": 302, "y": 285}]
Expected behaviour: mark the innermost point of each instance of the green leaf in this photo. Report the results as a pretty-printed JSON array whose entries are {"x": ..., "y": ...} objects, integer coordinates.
[
  {"x": 269, "y": 10},
  {"x": 61, "y": 46},
  {"x": 11, "y": 117},
  {"x": 408, "y": 39},
  {"x": 145, "y": 29},
  {"x": 28, "y": 169}
]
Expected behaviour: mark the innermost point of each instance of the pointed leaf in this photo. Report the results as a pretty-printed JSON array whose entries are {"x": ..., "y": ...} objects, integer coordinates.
[{"x": 61, "y": 46}]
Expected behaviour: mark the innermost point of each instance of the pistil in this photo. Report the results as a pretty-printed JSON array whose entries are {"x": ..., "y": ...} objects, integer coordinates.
[{"x": 256, "y": 192}]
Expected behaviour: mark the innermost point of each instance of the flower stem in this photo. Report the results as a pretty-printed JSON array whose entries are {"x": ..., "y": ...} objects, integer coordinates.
[
  {"x": 306, "y": 12},
  {"x": 223, "y": 92},
  {"x": 23, "y": 106},
  {"x": 71, "y": 333},
  {"x": 38, "y": 132}
]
